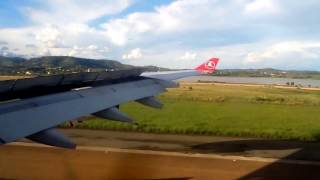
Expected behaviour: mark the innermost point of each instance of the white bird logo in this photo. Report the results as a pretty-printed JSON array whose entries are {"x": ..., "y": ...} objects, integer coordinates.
[{"x": 210, "y": 65}]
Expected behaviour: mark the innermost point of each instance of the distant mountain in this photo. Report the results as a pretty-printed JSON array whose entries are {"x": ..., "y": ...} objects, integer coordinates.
[
  {"x": 10, "y": 61},
  {"x": 55, "y": 65},
  {"x": 61, "y": 64},
  {"x": 72, "y": 62}
]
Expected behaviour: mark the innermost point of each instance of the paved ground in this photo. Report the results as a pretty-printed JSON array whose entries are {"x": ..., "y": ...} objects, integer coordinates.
[
  {"x": 116, "y": 155},
  {"x": 35, "y": 162},
  {"x": 249, "y": 147}
]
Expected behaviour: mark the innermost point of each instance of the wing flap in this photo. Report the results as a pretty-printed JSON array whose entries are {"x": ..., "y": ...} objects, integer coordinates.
[
  {"x": 114, "y": 114},
  {"x": 53, "y": 138},
  {"x": 151, "y": 102}
]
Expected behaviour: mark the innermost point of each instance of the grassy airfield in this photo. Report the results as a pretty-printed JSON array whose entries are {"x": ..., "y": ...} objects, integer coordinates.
[
  {"x": 3, "y": 78},
  {"x": 227, "y": 110}
]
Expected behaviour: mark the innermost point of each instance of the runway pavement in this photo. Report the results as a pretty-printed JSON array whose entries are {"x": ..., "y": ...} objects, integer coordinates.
[{"x": 31, "y": 161}]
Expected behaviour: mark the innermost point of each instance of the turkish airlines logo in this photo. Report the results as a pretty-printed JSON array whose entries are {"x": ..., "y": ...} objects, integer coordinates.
[{"x": 210, "y": 65}]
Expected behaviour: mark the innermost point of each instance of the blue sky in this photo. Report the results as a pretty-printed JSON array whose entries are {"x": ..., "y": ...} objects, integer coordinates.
[
  {"x": 170, "y": 33},
  {"x": 10, "y": 16}
]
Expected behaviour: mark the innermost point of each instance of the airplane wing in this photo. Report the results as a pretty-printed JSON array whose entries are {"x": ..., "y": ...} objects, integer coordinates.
[{"x": 32, "y": 108}]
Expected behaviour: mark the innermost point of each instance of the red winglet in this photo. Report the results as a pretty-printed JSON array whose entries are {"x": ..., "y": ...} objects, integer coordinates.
[{"x": 209, "y": 66}]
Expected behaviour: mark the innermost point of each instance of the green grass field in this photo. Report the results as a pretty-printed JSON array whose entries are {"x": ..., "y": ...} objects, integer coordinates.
[{"x": 227, "y": 110}]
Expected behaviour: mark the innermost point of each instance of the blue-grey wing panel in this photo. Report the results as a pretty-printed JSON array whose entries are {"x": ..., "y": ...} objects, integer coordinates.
[
  {"x": 56, "y": 99},
  {"x": 44, "y": 85},
  {"x": 78, "y": 78},
  {"x": 43, "y": 81},
  {"x": 170, "y": 75},
  {"x": 6, "y": 86},
  {"x": 26, "y": 117}
]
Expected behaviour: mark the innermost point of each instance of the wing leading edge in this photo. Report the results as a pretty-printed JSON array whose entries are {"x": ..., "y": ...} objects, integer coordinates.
[{"x": 35, "y": 118}]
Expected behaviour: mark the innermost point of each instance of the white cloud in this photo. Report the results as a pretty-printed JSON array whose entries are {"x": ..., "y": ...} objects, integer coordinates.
[
  {"x": 133, "y": 54},
  {"x": 30, "y": 46},
  {"x": 4, "y": 51},
  {"x": 58, "y": 25},
  {"x": 120, "y": 30},
  {"x": 45, "y": 52},
  {"x": 92, "y": 47},
  {"x": 188, "y": 56},
  {"x": 50, "y": 36},
  {"x": 181, "y": 17},
  {"x": 78, "y": 28},
  {"x": 4, "y": 48},
  {"x": 91, "y": 51},
  {"x": 55, "y": 40},
  {"x": 286, "y": 50},
  {"x": 17, "y": 38},
  {"x": 62, "y": 12},
  {"x": 300, "y": 55},
  {"x": 3, "y": 43},
  {"x": 262, "y": 6}
]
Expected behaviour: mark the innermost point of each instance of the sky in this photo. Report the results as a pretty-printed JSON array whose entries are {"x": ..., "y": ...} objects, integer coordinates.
[{"x": 282, "y": 34}]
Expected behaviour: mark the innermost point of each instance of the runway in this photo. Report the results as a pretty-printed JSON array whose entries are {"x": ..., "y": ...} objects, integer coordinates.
[{"x": 31, "y": 161}]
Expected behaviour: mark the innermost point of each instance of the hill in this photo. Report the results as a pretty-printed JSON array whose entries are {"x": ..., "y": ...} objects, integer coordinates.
[{"x": 55, "y": 65}]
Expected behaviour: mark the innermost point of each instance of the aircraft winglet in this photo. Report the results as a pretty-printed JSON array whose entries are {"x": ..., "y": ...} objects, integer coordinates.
[{"x": 209, "y": 66}]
